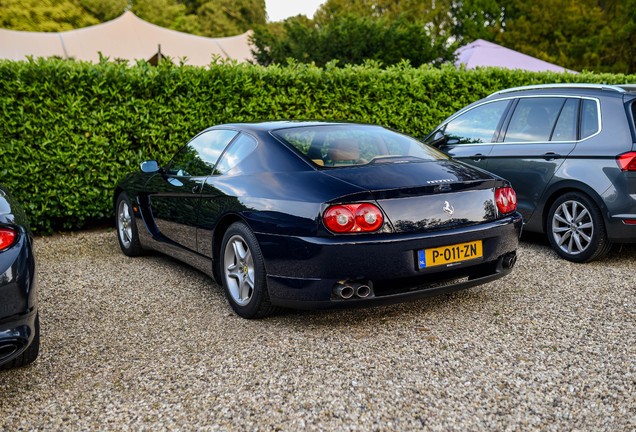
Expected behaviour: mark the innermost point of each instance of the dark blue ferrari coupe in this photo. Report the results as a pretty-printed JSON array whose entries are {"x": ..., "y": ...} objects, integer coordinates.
[
  {"x": 19, "y": 322},
  {"x": 320, "y": 215}
]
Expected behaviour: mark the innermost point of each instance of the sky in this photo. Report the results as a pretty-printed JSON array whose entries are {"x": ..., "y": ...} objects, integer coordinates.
[{"x": 278, "y": 10}]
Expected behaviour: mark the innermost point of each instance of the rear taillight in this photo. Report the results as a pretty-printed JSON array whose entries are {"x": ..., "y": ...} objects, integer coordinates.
[
  {"x": 627, "y": 161},
  {"x": 7, "y": 238},
  {"x": 352, "y": 218},
  {"x": 506, "y": 199}
]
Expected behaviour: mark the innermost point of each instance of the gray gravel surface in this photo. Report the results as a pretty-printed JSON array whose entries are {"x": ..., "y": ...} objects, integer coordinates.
[{"x": 151, "y": 344}]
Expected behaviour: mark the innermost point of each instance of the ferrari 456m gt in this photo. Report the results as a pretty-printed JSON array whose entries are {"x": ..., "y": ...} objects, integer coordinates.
[{"x": 320, "y": 215}]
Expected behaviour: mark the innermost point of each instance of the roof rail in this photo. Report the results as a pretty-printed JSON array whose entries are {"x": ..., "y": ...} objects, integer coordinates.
[
  {"x": 627, "y": 87},
  {"x": 619, "y": 89}
]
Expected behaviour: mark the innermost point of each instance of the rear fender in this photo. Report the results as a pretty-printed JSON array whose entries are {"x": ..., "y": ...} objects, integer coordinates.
[{"x": 537, "y": 223}]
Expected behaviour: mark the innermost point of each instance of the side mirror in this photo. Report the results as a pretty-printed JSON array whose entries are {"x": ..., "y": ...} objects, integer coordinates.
[
  {"x": 439, "y": 139},
  {"x": 150, "y": 166},
  {"x": 452, "y": 141}
]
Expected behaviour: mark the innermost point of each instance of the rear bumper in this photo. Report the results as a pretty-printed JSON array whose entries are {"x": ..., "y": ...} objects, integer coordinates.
[
  {"x": 303, "y": 270},
  {"x": 619, "y": 231},
  {"x": 18, "y": 298}
]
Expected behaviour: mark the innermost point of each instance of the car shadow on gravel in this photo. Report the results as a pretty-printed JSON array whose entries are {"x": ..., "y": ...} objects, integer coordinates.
[{"x": 619, "y": 251}]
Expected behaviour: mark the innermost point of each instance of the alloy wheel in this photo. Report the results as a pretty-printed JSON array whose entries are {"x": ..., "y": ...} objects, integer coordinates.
[
  {"x": 124, "y": 224},
  {"x": 572, "y": 227},
  {"x": 239, "y": 273}
]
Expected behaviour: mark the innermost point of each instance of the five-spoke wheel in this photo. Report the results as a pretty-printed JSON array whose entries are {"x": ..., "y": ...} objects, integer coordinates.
[
  {"x": 124, "y": 223},
  {"x": 576, "y": 229},
  {"x": 126, "y": 227},
  {"x": 239, "y": 275},
  {"x": 243, "y": 273}
]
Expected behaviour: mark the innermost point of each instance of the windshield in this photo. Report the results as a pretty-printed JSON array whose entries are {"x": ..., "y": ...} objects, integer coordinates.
[{"x": 337, "y": 146}]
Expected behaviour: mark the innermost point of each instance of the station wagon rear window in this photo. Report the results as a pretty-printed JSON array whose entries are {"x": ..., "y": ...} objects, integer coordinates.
[{"x": 337, "y": 146}]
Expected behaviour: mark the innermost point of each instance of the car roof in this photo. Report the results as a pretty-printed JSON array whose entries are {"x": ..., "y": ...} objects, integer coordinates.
[
  {"x": 269, "y": 125},
  {"x": 571, "y": 88}
]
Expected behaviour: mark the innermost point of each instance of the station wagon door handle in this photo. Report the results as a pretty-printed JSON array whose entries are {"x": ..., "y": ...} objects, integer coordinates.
[
  {"x": 478, "y": 157},
  {"x": 551, "y": 156},
  {"x": 195, "y": 189}
]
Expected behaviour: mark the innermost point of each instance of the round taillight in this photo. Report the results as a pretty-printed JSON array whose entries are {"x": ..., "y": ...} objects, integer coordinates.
[
  {"x": 339, "y": 219},
  {"x": 368, "y": 217},
  {"x": 7, "y": 237},
  {"x": 506, "y": 199},
  {"x": 363, "y": 217}
]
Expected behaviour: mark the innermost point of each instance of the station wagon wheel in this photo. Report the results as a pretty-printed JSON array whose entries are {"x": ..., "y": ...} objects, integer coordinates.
[
  {"x": 243, "y": 273},
  {"x": 127, "y": 227},
  {"x": 576, "y": 229}
]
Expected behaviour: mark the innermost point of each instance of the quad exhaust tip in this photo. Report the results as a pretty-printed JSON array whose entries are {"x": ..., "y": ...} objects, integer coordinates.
[
  {"x": 343, "y": 290},
  {"x": 362, "y": 290},
  {"x": 346, "y": 290}
]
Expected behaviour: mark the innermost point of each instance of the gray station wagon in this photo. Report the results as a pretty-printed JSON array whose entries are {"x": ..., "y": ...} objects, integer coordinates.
[{"x": 569, "y": 151}]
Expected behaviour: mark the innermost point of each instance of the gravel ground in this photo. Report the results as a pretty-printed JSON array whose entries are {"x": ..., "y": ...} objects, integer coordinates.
[{"x": 151, "y": 344}]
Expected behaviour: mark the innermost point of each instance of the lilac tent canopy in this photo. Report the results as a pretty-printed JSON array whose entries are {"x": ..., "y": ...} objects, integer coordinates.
[{"x": 483, "y": 53}]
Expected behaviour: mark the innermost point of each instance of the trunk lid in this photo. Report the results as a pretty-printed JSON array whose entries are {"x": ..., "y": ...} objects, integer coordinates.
[{"x": 427, "y": 196}]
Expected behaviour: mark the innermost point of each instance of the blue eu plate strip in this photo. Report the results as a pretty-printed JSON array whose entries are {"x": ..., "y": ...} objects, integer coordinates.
[{"x": 422, "y": 256}]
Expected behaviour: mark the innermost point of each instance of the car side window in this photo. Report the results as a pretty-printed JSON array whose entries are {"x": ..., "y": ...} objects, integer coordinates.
[
  {"x": 238, "y": 150},
  {"x": 477, "y": 125},
  {"x": 199, "y": 156},
  {"x": 533, "y": 119},
  {"x": 589, "y": 118},
  {"x": 565, "y": 129}
]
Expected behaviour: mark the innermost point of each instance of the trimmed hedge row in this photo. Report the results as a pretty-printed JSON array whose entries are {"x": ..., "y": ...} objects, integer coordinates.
[{"x": 70, "y": 130}]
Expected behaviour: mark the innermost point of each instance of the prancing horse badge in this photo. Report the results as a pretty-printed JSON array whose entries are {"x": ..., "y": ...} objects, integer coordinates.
[{"x": 448, "y": 208}]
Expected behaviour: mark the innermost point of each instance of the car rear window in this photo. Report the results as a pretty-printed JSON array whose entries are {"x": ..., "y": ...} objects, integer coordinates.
[{"x": 337, "y": 146}]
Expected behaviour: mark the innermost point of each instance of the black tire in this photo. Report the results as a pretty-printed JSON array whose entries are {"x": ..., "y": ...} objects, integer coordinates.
[
  {"x": 127, "y": 227},
  {"x": 30, "y": 354},
  {"x": 583, "y": 236},
  {"x": 248, "y": 277}
]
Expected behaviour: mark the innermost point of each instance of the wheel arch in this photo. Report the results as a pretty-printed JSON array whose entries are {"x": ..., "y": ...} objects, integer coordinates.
[
  {"x": 561, "y": 188},
  {"x": 118, "y": 191},
  {"x": 217, "y": 239}
]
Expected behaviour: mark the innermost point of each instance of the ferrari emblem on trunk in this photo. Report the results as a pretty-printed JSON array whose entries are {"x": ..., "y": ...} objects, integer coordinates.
[{"x": 448, "y": 208}]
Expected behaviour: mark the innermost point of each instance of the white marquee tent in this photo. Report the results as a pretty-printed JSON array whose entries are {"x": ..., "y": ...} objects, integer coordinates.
[{"x": 127, "y": 37}]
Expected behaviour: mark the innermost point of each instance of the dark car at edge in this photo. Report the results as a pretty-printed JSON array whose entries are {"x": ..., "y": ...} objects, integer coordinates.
[
  {"x": 569, "y": 151},
  {"x": 320, "y": 215},
  {"x": 19, "y": 320}
]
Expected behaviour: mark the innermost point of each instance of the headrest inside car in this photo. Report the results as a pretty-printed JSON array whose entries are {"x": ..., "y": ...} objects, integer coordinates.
[
  {"x": 538, "y": 118},
  {"x": 343, "y": 149}
]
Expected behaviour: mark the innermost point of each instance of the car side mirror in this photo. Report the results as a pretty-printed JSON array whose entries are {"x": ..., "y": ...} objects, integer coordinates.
[
  {"x": 150, "y": 166},
  {"x": 439, "y": 139},
  {"x": 452, "y": 141}
]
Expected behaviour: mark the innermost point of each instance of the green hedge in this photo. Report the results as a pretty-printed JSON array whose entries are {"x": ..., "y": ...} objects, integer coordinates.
[{"x": 70, "y": 130}]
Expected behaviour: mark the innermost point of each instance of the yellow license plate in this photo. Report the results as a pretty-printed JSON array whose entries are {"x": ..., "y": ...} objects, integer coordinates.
[{"x": 450, "y": 254}]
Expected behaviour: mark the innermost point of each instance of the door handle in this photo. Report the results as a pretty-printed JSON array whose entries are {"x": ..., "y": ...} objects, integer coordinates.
[
  {"x": 551, "y": 156},
  {"x": 478, "y": 157},
  {"x": 195, "y": 189}
]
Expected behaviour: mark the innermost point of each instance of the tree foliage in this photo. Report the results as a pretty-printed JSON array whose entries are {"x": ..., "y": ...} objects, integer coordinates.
[
  {"x": 212, "y": 18},
  {"x": 577, "y": 34},
  {"x": 352, "y": 40},
  {"x": 44, "y": 15},
  {"x": 595, "y": 35}
]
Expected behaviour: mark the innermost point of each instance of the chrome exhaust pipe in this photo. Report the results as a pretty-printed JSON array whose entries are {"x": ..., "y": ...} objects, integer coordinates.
[
  {"x": 509, "y": 261},
  {"x": 362, "y": 290},
  {"x": 344, "y": 291},
  {"x": 8, "y": 349}
]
